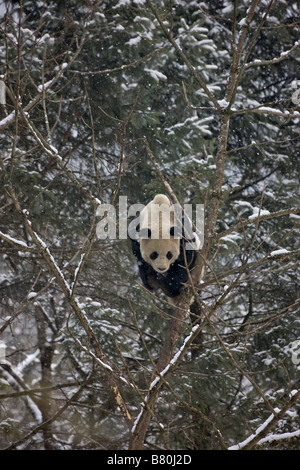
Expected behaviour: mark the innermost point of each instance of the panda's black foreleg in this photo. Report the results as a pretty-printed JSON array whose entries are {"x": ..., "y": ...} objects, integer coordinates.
[
  {"x": 174, "y": 280},
  {"x": 148, "y": 276},
  {"x": 135, "y": 247}
]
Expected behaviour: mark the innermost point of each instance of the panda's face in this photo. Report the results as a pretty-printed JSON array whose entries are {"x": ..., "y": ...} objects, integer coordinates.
[
  {"x": 161, "y": 253},
  {"x": 159, "y": 240}
]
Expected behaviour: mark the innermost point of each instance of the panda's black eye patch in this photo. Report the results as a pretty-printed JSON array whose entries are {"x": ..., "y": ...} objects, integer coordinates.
[
  {"x": 153, "y": 255},
  {"x": 169, "y": 255}
]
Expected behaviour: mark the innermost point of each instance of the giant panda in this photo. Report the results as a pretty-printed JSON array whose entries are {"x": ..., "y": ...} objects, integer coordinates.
[{"x": 163, "y": 233}]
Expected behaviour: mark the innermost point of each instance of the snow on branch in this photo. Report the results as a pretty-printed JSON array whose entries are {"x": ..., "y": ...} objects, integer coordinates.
[
  {"x": 42, "y": 88},
  {"x": 17, "y": 243},
  {"x": 182, "y": 55},
  {"x": 285, "y": 436},
  {"x": 259, "y": 436},
  {"x": 159, "y": 380},
  {"x": 282, "y": 56},
  {"x": 270, "y": 215},
  {"x": 258, "y": 431},
  {"x": 51, "y": 261},
  {"x": 268, "y": 110},
  {"x": 176, "y": 356},
  {"x": 53, "y": 153}
]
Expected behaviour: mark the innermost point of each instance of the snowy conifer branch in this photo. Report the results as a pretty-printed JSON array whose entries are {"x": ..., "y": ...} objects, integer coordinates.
[
  {"x": 280, "y": 438},
  {"x": 263, "y": 143},
  {"x": 267, "y": 110},
  {"x": 238, "y": 65},
  {"x": 43, "y": 88},
  {"x": 261, "y": 217},
  {"x": 53, "y": 153},
  {"x": 18, "y": 244},
  {"x": 184, "y": 57},
  {"x": 269, "y": 424},
  {"x": 283, "y": 56}
]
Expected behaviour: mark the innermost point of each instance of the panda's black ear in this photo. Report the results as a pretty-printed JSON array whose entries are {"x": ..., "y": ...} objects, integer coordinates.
[
  {"x": 175, "y": 232},
  {"x": 145, "y": 233}
]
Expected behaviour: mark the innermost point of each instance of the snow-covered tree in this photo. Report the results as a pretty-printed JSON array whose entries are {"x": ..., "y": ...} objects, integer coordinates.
[{"x": 102, "y": 99}]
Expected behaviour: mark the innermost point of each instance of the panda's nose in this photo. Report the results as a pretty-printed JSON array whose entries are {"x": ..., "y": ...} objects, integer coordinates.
[{"x": 161, "y": 269}]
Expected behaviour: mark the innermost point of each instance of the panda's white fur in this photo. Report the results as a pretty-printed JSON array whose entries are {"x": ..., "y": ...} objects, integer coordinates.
[{"x": 158, "y": 242}]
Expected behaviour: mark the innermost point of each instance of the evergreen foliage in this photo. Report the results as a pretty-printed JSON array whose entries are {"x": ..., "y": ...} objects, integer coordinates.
[{"x": 87, "y": 84}]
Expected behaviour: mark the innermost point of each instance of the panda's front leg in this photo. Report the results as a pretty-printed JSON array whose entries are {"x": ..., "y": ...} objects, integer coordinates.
[
  {"x": 150, "y": 279},
  {"x": 174, "y": 280}
]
